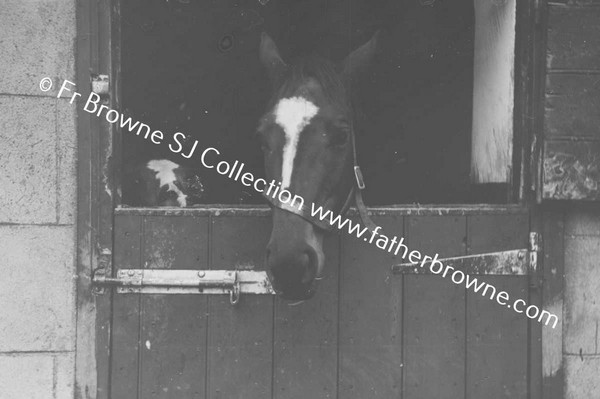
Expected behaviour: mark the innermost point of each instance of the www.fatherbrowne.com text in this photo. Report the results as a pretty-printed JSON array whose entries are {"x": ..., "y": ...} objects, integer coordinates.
[{"x": 235, "y": 171}]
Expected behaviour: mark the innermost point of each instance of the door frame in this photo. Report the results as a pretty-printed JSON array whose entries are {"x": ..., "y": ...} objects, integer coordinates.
[
  {"x": 98, "y": 52},
  {"x": 97, "y": 29}
]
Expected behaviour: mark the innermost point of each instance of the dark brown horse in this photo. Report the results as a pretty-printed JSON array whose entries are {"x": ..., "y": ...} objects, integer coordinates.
[{"x": 307, "y": 138}]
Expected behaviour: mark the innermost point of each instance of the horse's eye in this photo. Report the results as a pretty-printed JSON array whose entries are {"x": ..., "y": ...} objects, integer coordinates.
[
  {"x": 339, "y": 137},
  {"x": 264, "y": 144}
]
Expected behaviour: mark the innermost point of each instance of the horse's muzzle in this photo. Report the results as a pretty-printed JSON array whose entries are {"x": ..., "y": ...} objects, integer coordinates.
[{"x": 296, "y": 292}]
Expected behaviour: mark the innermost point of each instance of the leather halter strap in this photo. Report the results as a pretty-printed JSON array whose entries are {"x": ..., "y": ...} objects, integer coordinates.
[{"x": 355, "y": 195}]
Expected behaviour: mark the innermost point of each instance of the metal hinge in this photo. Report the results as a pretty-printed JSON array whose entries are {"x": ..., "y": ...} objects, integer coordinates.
[
  {"x": 100, "y": 85},
  {"x": 513, "y": 262},
  {"x": 534, "y": 251},
  {"x": 166, "y": 281}
]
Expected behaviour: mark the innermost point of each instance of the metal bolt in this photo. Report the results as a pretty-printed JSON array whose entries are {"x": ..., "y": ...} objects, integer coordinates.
[
  {"x": 521, "y": 256},
  {"x": 201, "y": 273}
]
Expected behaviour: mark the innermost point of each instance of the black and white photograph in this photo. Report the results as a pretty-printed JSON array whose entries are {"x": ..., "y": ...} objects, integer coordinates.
[{"x": 300, "y": 199}]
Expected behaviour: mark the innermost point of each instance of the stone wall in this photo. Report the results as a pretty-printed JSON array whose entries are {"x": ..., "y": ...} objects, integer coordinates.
[
  {"x": 37, "y": 191},
  {"x": 581, "y": 346},
  {"x": 572, "y": 115}
]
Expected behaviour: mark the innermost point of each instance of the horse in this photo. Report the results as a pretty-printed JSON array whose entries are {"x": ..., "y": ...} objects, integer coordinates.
[
  {"x": 308, "y": 142},
  {"x": 162, "y": 182},
  {"x": 307, "y": 139}
]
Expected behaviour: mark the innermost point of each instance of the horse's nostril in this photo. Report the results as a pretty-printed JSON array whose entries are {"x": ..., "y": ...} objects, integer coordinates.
[
  {"x": 310, "y": 270},
  {"x": 293, "y": 271}
]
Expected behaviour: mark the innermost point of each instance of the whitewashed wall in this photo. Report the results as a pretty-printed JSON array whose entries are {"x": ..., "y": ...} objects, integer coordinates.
[{"x": 37, "y": 196}]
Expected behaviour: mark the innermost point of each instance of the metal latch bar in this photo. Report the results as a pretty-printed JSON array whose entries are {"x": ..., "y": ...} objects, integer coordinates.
[{"x": 167, "y": 281}]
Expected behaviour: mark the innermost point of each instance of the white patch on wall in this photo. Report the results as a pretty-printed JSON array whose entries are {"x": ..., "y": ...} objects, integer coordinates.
[
  {"x": 165, "y": 173},
  {"x": 293, "y": 115},
  {"x": 493, "y": 91}
]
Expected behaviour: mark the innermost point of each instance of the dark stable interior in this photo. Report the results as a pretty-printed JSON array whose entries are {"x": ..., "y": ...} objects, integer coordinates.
[{"x": 192, "y": 66}]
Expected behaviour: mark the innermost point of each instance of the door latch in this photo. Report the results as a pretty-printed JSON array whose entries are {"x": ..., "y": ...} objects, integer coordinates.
[{"x": 166, "y": 281}]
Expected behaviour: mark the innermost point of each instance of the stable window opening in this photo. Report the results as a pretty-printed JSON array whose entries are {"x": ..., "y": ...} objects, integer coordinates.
[{"x": 433, "y": 115}]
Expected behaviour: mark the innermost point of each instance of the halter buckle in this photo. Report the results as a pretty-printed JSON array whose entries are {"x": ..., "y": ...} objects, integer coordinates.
[{"x": 360, "y": 182}]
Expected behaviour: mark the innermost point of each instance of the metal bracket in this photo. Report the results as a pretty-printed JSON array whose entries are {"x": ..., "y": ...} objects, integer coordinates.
[
  {"x": 100, "y": 85},
  {"x": 534, "y": 248},
  {"x": 166, "y": 281},
  {"x": 104, "y": 266},
  {"x": 516, "y": 262},
  {"x": 360, "y": 181}
]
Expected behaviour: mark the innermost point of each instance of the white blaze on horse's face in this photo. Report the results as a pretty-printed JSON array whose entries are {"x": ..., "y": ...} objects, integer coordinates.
[
  {"x": 165, "y": 173},
  {"x": 293, "y": 115}
]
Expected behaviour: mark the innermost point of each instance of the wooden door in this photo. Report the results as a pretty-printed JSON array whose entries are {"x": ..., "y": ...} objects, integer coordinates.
[{"x": 366, "y": 334}]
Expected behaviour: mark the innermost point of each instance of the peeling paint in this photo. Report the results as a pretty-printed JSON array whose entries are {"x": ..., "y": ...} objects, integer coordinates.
[{"x": 571, "y": 173}]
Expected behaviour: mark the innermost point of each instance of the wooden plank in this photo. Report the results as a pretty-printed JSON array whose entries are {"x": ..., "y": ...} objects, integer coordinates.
[
  {"x": 493, "y": 91},
  {"x": 530, "y": 52},
  {"x": 86, "y": 361},
  {"x": 488, "y": 233},
  {"x": 95, "y": 205},
  {"x": 103, "y": 185},
  {"x": 394, "y": 210},
  {"x": 305, "y": 358},
  {"x": 126, "y": 309},
  {"x": 572, "y": 106},
  {"x": 534, "y": 291},
  {"x": 552, "y": 294},
  {"x": 434, "y": 314},
  {"x": 370, "y": 332},
  {"x": 575, "y": 2},
  {"x": 497, "y": 342},
  {"x": 571, "y": 170},
  {"x": 173, "y": 328},
  {"x": 573, "y": 38},
  {"x": 240, "y": 337}
]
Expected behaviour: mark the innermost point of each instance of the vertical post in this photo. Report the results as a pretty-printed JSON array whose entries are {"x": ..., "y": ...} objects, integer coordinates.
[{"x": 95, "y": 202}]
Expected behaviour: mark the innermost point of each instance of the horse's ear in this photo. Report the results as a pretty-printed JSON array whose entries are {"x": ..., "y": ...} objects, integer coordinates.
[
  {"x": 359, "y": 59},
  {"x": 270, "y": 58}
]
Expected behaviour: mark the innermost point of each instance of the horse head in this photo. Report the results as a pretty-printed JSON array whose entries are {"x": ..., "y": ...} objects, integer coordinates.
[{"x": 307, "y": 139}]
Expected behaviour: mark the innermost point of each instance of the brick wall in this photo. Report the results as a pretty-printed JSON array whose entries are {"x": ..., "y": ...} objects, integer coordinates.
[{"x": 37, "y": 193}]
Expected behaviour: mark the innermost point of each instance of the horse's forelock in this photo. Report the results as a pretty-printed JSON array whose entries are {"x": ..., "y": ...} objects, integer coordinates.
[{"x": 322, "y": 71}]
